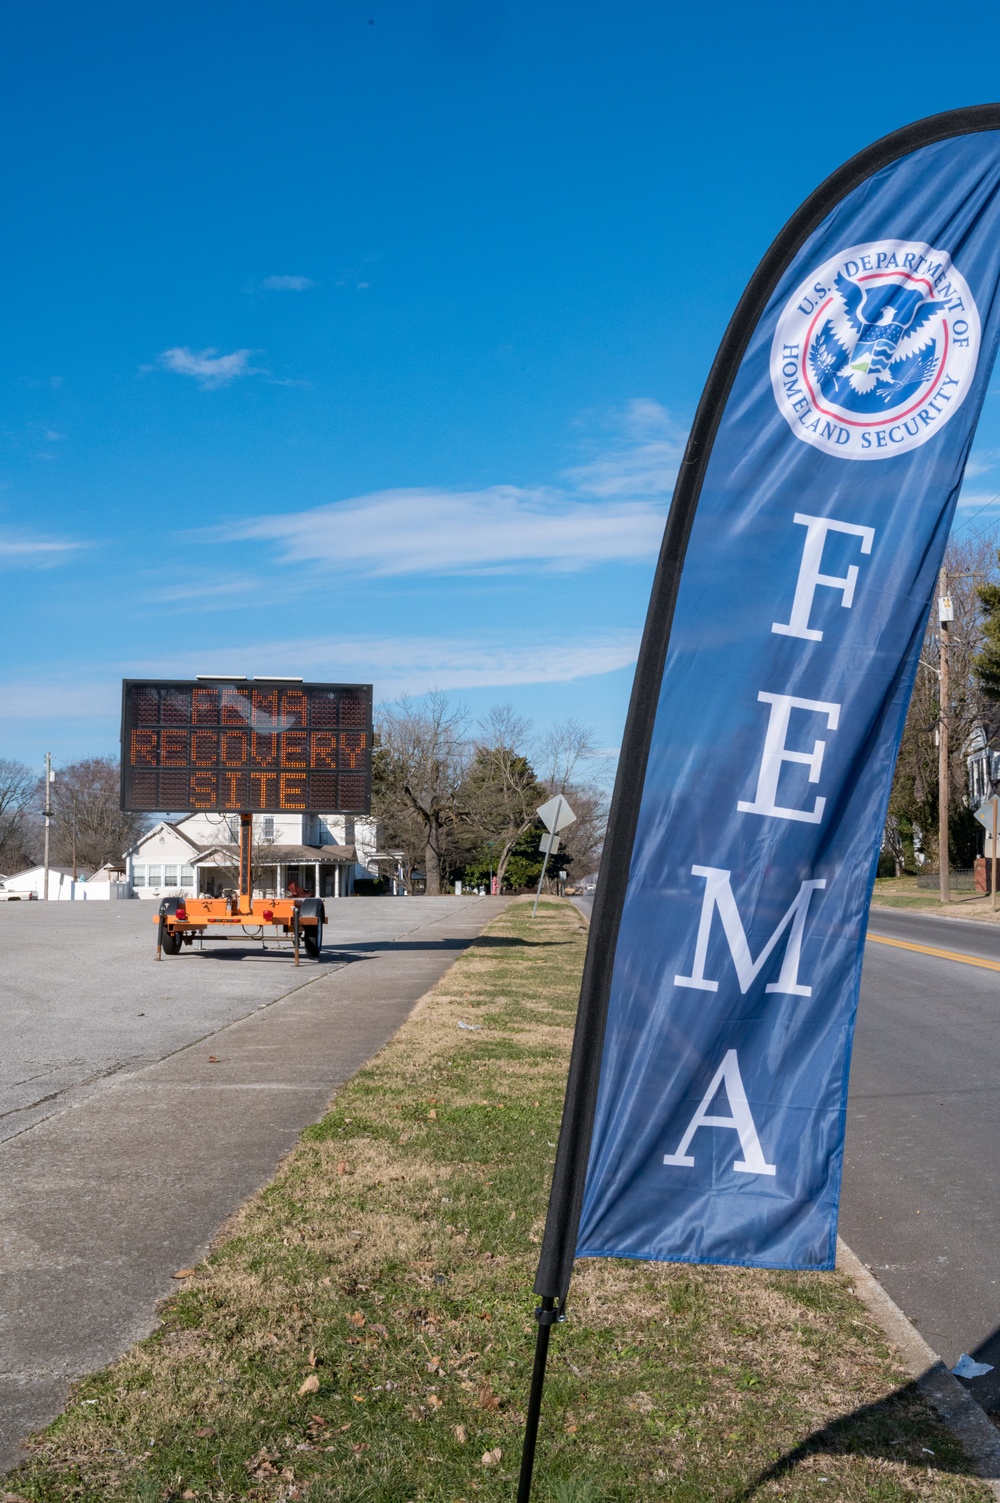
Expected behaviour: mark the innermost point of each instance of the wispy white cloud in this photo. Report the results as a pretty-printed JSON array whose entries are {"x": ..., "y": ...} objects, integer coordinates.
[
  {"x": 397, "y": 665},
  {"x": 611, "y": 511},
  {"x": 58, "y": 699},
  {"x": 414, "y": 664},
  {"x": 34, "y": 384},
  {"x": 640, "y": 457},
  {"x": 977, "y": 500},
  {"x": 208, "y": 367},
  {"x": 216, "y": 592},
  {"x": 418, "y": 531},
  {"x": 18, "y": 550},
  {"x": 287, "y": 284}
]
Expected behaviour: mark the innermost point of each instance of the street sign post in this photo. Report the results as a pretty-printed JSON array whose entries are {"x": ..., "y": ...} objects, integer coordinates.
[
  {"x": 555, "y": 815},
  {"x": 987, "y": 817}
]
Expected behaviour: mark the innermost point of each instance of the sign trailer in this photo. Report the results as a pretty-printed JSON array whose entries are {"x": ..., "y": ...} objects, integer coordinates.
[{"x": 246, "y": 747}]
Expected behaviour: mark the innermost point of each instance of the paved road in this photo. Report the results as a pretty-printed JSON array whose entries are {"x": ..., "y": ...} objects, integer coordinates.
[
  {"x": 921, "y": 1201},
  {"x": 126, "y": 1145}
]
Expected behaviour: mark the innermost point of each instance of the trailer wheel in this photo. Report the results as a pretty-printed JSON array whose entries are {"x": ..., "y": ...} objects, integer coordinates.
[
  {"x": 169, "y": 943},
  {"x": 312, "y": 937}
]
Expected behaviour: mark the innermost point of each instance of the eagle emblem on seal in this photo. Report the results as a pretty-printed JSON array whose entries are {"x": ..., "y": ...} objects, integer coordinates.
[{"x": 878, "y": 345}]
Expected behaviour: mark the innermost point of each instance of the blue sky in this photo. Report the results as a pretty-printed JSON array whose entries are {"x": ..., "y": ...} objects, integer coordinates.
[{"x": 359, "y": 340}]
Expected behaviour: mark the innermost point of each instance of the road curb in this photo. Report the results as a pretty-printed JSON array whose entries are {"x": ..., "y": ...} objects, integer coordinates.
[{"x": 955, "y": 1406}]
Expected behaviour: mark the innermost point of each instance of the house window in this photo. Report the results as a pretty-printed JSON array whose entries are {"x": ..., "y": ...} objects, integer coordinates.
[
  {"x": 233, "y": 826},
  {"x": 138, "y": 876},
  {"x": 170, "y": 876},
  {"x": 268, "y": 830},
  {"x": 187, "y": 876},
  {"x": 155, "y": 876}
]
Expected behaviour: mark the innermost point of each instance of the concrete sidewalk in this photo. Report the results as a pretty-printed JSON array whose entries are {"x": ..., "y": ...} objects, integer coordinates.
[{"x": 102, "y": 1202}]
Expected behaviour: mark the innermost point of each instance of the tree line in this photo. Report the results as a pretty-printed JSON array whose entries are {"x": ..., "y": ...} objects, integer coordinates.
[
  {"x": 459, "y": 801},
  {"x": 86, "y": 819},
  {"x": 972, "y": 711}
]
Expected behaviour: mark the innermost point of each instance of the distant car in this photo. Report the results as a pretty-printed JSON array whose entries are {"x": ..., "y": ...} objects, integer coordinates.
[{"x": 17, "y": 894}]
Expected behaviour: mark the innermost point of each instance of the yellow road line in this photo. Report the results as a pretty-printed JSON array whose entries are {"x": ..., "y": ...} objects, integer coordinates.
[{"x": 904, "y": 944}]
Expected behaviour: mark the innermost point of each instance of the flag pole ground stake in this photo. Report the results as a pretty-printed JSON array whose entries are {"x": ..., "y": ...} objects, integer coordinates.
[
  {"x": 833, "y": 482},
  {"x": 547, "y": 1315}
]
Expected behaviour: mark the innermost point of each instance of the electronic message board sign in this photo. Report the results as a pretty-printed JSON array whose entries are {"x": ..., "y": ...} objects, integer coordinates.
[{"x": 257, "y": 745}]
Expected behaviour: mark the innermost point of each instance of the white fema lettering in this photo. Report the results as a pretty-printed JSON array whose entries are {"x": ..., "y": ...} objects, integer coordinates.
[
  {"x": 740, "y": 1121},
  {"x": 875, "y": 350},
  {"x": 718, "y": 895},
  {"x": 811, "y": 574},
  {"x": 776, "y": 753}
]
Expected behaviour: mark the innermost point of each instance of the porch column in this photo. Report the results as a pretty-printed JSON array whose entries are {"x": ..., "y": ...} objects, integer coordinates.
[
  {"x": 336, "y": 880},
  {"x": 318, "y": 893},
  {"x": 279, "y": 889}
]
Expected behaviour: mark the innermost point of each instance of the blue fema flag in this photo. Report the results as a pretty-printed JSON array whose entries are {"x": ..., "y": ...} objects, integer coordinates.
[{"x": 706, "y": 1107}]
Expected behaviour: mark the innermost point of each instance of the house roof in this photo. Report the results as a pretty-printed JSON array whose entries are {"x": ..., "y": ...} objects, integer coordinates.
[
  {"x": 271, "y": 855},
  {"x": 166, "y": 824}
]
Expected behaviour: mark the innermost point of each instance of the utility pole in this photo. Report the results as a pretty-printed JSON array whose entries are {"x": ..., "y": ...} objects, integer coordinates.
[
  {"x": 47, "y": 811},
  {"x": 74, "y": 838},
  {"x": 945, "y": 616}
]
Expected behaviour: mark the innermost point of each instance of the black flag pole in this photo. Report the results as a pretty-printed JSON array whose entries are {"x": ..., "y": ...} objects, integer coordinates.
[{"x": 555, "y": 1265}]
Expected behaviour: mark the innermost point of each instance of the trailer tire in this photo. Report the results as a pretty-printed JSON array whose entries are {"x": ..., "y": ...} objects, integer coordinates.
[
  {"x": 312, "y": 938},
  {"x": 171, "y": 943}
]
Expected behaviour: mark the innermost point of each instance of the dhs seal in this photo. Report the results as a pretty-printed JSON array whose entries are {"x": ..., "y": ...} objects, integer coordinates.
[{"x": 875, "y": 350}]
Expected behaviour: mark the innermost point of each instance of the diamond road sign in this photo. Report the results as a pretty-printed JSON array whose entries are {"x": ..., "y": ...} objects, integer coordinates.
[
  {"x": 984, "y": 813},
  {"x": 556, "y": 814}
]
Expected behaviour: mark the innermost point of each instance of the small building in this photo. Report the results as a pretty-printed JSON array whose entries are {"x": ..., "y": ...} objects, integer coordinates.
[
  {"x": 62, "y": 887},
  {"x": 314, "y": 855}
]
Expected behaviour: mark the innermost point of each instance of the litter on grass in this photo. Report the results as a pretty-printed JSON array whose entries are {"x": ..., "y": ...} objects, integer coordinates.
[
  {"x": 471, "y": 1027},
  {"x": 968, "y": 1367}
]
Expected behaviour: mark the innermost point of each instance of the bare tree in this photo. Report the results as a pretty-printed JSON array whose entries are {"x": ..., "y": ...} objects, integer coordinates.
[
  {"x": 420, "y": 767},
  {"x": 913, "y": 803},
  {"x": 18, "y": 806},
  {"x": 583, "y": 840},
  {"x": 87, "y": 816},
  {"x": 560, "y": 752}
]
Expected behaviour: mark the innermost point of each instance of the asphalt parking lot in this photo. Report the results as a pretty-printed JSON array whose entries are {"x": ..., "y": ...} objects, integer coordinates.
[
  {"x": 83, "y": 999},
  {"x": 141, "y": 1102}
]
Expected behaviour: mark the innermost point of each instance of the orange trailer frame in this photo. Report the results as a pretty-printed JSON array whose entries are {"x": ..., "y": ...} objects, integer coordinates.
[{"x": 179, "y": 920}]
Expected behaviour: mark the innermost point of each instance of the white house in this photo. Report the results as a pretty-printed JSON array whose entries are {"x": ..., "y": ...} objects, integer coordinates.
[
  {"x": 198, "y": 855},
  {"x": 62, "y": 888}
]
